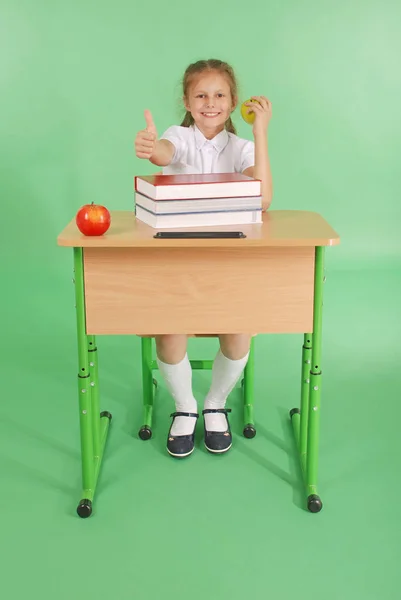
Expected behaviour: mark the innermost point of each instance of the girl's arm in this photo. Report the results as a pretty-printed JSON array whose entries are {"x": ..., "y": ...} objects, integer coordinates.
[
  {"x": 163, "y": 152},
  {"x": 158, "y": 152},
  {"x": 261, "y": 170}
]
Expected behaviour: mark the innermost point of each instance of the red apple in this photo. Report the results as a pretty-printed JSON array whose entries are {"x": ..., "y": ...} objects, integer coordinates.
[{"x": 93, "y": 219}]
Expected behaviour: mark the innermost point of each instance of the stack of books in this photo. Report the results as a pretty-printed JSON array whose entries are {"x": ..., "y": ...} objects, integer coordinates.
[{"x": 170, "y": 201}]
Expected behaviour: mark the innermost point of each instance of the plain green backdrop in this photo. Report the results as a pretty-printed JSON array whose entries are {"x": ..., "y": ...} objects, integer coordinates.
[{"x": 75, "y": 78}]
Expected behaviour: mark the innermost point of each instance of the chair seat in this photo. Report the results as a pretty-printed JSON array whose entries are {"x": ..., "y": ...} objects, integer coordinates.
[
  {"x": 189, "y": 335},
  {"x": 208, "y": 335}
]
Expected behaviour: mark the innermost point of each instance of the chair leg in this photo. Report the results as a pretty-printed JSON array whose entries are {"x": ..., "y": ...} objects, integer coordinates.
[
  {"x": 299, "y": 417},
  {"x": 248, "y": 390},
  {"x": 145, "y": 432}
]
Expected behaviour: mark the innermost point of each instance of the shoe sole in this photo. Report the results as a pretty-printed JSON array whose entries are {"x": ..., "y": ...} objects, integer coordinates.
[
  {"x": 180, "y": 455},
  {"x": 218, "y": 451}
]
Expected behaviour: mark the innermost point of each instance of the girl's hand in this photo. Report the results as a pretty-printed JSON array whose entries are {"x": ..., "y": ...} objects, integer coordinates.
[
  {"x": 263, "y": 112},
  {"x": 146, "y": 138}
]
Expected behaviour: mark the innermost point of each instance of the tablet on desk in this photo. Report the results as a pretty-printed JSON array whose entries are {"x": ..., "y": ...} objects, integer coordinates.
[{"x": 198, "y": 234}]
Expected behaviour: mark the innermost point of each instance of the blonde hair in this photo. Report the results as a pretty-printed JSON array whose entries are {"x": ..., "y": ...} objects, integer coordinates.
[{"x": 199, "y": 67}]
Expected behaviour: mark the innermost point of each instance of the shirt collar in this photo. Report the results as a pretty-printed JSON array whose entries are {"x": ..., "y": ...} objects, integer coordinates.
[{"x": 219, "y": 142}]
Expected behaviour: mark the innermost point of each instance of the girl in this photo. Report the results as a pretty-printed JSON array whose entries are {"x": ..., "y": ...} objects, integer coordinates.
[{"x": 206, "y": 142}]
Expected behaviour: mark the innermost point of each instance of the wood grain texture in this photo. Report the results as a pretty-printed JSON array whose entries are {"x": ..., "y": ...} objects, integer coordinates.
[
  {"x": 279, "y": 228},
  {"x": 193, "y": 290}
]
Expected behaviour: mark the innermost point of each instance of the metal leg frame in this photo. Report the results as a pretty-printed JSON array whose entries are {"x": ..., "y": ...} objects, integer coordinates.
[
  {"x": 306, "y": 420},
  {"x": 94, "y": 426}
]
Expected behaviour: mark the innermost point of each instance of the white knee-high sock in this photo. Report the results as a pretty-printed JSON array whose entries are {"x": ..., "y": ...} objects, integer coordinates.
[
  {"x": 225, "y": 374},
  {"x": 178, "y": 379}
]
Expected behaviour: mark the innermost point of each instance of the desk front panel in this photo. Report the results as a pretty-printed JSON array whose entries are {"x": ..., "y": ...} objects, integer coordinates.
[{"x": 194, "y": 290}]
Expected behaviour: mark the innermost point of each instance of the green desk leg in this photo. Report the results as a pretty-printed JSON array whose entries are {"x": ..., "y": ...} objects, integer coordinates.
[
  {"x": 94, "y": 427},
  {"x": 306, "y": 421}
]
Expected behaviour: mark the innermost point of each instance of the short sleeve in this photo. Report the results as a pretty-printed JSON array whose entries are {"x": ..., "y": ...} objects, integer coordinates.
[
  {"x": 247, "y": 156},
  {"x": 172, "y": 134}
]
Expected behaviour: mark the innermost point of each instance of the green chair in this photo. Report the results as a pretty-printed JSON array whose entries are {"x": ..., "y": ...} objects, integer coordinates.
[{"x": 149, "y": 385}]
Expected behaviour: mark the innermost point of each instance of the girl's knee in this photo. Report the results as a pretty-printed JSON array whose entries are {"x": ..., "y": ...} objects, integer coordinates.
[
  {"x": 235, "y": 345},
  {"x": 170, "y": 339},
  {"x": 171, "y": 348}
]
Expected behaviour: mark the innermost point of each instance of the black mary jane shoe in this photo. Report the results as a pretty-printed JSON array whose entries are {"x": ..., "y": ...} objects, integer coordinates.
[
  {"x": 218, "y": 441},
  {"x": 181, "y": 446}
]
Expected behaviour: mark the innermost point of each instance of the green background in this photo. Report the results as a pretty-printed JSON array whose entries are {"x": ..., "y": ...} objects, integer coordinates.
[{"x": 74, "y": 80}]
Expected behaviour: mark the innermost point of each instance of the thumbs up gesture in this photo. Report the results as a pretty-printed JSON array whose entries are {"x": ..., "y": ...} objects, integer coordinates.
[{"x": 146, "y": 138}]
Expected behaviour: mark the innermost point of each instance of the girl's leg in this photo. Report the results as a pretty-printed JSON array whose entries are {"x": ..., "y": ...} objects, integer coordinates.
[
  {"x": 228, "y": 365},
  {"x": 175, "y": 368}
]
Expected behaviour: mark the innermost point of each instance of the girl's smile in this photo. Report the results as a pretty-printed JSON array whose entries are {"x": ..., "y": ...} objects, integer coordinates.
[{"x": 210, "y": 102}]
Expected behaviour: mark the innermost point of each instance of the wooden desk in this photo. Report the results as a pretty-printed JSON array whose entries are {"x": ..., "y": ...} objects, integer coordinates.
[{"x": 127, "y": 282}]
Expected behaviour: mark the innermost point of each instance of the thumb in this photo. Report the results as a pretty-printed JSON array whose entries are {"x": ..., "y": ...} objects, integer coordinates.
[{"x": 150, "y": 126}]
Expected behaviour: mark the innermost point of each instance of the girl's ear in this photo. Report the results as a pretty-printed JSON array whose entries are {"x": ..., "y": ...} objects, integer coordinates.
[
  {"x": 234, "y": 104},
  {"x": 185, "y": 101}
]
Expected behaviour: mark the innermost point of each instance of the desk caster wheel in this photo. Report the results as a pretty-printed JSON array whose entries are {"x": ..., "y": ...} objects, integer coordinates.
[
  {"x": 106, "y": 414},
  {"x": 145, "y": 433},
  {"x": 249, "y": 431},
  {"x": 314, "y": 503},
  {"x": 294, "y": 411},
  {"x": 84, "y": 509}
]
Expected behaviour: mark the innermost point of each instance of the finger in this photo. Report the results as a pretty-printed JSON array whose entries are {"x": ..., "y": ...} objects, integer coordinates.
[
  {"x": 147, "y": 147},
  {"x": 143, "y": 154},
  {"x": 262, "y": 100},
  {"x": 253, "y": 102},
  {"x": 267, "y": 103},
  {"x": 150, "y": 126},
  {"x": 143, "y": 148},
  {"x": 146, "y": 136},
  {"x": 255, "y": 107}
]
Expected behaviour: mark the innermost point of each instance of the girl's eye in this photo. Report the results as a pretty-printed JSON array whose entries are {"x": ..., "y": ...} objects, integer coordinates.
[{"x": 203, "y": 96}]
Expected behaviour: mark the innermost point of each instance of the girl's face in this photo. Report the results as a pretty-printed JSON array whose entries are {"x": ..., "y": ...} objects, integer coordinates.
[{"x": 210, "y": 103}]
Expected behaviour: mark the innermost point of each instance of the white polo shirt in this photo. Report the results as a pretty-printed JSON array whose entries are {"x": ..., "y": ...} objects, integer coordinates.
[{"x": 225, "y": 153}]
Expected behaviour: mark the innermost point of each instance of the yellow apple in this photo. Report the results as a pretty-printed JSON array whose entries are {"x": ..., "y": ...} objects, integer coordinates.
[{"x": 248, "y": 118}]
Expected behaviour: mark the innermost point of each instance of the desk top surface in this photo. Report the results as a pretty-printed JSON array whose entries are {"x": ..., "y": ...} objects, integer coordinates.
[{"x": 279, "y": 228}]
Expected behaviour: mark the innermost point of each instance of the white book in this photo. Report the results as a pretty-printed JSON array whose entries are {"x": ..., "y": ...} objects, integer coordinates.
[
  {"x": 208, "y": 219},
  {"x": 164, "y": 207}
]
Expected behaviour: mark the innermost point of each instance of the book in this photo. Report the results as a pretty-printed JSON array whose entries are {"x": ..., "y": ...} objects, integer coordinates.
[
  {"x": 236, "y": 217},
  {"x": 186, "y": 187},
  {"x": 198, "y": 205}
]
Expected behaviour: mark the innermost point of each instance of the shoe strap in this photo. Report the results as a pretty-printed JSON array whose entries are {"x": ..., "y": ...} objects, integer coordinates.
[
  {"x": 224, "y": 411},
  {"x": 184, "y": 414}
]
